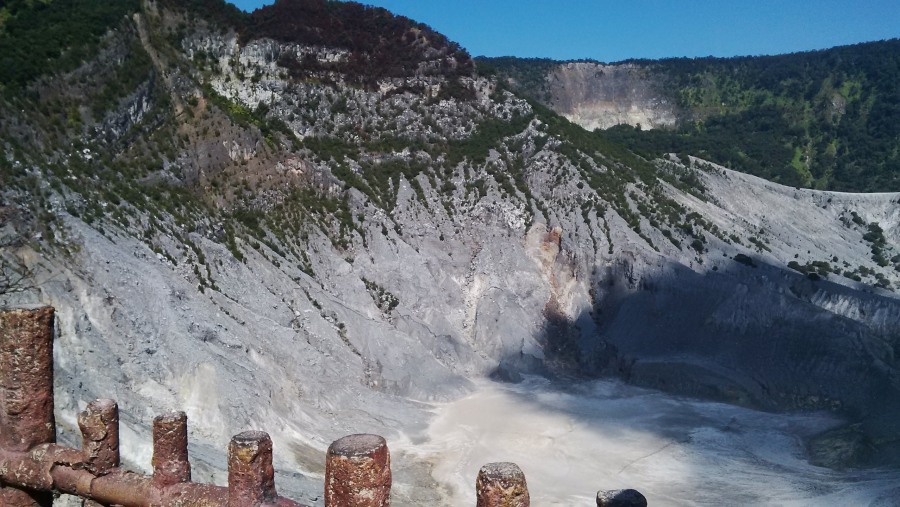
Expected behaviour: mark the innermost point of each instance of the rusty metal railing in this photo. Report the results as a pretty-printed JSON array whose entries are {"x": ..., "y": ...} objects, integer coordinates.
[{"x": 33, "y": 468}]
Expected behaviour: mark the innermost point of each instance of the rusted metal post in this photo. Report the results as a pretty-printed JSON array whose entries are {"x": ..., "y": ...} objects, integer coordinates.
[
  {"x": 99, "y": 423},
  {"x": 621, "y": 498},
  {"x": 170, "y": 450},
  {"x": 251, "y": 477},
  {"x": 26, "y": 390},
  {"x": 33, "y": 468},
  {"x": 358, "y": 472},
  {"x": 501, "y": 485}
]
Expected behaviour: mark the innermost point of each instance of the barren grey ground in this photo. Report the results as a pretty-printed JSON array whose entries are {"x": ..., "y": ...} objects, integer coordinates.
[
  {"x": 132, "y": 328},
  {"x": 571, "y": 440}
]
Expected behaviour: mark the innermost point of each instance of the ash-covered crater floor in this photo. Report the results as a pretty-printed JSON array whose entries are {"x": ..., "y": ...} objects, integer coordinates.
[{"x": 572, "y": 439}]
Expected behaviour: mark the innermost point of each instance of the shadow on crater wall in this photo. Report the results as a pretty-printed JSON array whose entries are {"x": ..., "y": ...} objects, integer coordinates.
[{"x": 760, "y": 337}]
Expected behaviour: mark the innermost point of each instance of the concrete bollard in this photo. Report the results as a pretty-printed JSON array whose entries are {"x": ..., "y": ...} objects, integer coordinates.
[
  {"x": 358, "y": 472},
  {"x": 251, "y": 477},
  {"x": 501, "y": 485},
  {"x": 170, "y": 449},
  {"x": 26, "y": 390},
  {"x": 620, "y": 498},
  {"x": 99, "y": 423}
]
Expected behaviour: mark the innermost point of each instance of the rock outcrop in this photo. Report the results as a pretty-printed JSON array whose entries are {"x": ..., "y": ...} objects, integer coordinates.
[{"x": 599, "y": 96}]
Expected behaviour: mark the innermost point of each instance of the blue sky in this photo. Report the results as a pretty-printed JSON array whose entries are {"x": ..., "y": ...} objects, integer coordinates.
[{"x": 609, "y": 30}]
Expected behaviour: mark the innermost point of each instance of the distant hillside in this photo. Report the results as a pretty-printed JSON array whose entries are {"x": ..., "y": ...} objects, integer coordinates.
[{"x": 823, "y": 119}]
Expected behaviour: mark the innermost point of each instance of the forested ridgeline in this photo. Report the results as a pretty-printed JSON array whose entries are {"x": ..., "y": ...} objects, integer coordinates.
[{"x": 825, "y": 119}]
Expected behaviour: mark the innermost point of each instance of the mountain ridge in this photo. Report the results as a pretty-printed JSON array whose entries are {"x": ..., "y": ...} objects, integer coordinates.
[
  {"x": 318, "y": 255},
  {"x": 799, "y": 119}
]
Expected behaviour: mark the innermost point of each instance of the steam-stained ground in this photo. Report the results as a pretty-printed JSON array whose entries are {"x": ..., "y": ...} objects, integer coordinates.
[{"x": 572, "y": 440}]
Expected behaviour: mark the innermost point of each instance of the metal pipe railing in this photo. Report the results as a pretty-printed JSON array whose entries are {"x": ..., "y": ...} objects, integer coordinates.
[{"x": 33, "y": 467}]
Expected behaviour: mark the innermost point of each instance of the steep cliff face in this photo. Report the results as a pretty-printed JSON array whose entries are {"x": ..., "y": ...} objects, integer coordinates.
[
  {"x": 264, "y": 241},
  {"x": 598, "y": 96}
]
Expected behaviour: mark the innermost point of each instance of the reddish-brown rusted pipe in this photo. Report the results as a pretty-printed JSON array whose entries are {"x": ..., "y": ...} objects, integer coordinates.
[
  {"x": 26, "y": 378},
  {"x": 52, "y": 467},
  {"x": 251, "y": 477},
  {"x": 358, "y": 472},
  {"x": 26, "y": 390},
  {"x": 170, "y": 449},
  {"x": 32, "y": 467},
  {"x": 501, "y": 485}
]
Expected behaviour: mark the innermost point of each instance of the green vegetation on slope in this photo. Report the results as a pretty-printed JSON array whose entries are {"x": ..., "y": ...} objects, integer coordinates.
[
  {"x": 37, "y": 37},
  {"x": 824, "y": 119},
  {"x": 380, "y": 43},
  {"x": 525, "y": 74}
]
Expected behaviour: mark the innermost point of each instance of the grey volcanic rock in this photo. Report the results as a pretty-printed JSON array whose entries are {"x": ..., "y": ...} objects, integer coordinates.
[
  {"x": 133, "y": 328},
  {"x": 311, "y": 360}
]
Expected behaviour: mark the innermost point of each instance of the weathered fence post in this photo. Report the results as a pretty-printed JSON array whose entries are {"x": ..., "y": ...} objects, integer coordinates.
[
  {"x": 170, "y": 450},
  {"x": 358, "y": 472},
  {"x": 26, "y": 390},
  {"x": 33, "y": 467},
  {"x": 621, "y": 498},
  {"x": 501, "y": 485},
  {"x": 251, "y": 477},
  {"x": 99, "y": 423}
]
